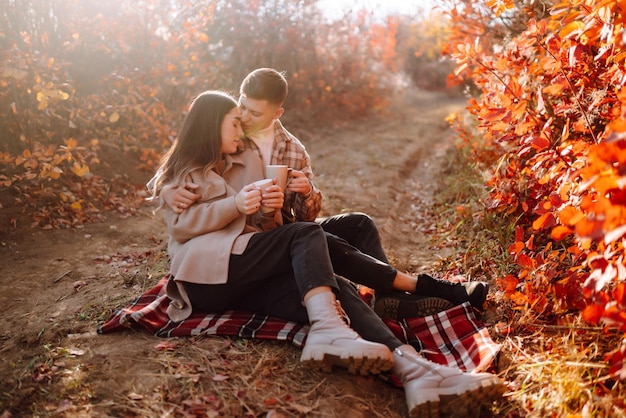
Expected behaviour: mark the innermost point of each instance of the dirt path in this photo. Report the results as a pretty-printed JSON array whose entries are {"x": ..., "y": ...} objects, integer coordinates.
[
  {"x": 58, "y": 285},
  {"x": 386, "y": 168}
]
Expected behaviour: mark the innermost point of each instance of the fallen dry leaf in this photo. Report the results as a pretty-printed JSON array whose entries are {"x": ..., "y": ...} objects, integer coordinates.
[
  {"x": 78, "y": 284},
  {"x": 220, "y": 377}
]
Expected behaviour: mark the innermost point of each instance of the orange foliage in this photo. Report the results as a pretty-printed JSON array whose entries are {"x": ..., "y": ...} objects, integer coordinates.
[
  {"x": 551, "y": 110},
  {"x": 85, "y": 83}
]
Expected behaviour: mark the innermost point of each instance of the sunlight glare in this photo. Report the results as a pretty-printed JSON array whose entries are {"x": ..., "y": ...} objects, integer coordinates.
[{"x": 337, "y": 8}]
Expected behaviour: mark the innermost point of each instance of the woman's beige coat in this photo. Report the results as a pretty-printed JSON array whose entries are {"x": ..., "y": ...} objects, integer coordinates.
[{"x": 203, "y": 237}]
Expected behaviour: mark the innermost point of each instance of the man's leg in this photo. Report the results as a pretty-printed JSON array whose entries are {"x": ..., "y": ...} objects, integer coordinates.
[
  {"x": 362, "y": 318},
  {"x": 359, "y": 230},
  {"x": 354, "y": 242},
  {"x": 359, "y": 267}
]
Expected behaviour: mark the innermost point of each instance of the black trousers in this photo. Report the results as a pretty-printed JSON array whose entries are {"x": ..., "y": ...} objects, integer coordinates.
[
  {"x": 294, "y": 256},
  {"x": 280, "y": 266},
  {"x": 356, "y": 251},
  {"x": 357, "y": 229}
]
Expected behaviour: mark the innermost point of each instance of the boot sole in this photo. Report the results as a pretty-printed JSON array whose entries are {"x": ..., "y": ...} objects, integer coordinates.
[
  {"x": 425, "y": 410},
  {"x": 389, "y": 307},
  {"x": 469, "y": 403},
  {"x": 325, "y": 357},
  {"x": 462, "y": 405}
]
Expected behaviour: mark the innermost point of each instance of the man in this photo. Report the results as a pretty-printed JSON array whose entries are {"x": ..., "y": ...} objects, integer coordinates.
[{"x": 349, "y": 236}]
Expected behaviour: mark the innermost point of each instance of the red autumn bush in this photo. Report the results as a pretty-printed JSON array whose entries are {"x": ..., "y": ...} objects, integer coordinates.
[{"x": 551, "y": 109}]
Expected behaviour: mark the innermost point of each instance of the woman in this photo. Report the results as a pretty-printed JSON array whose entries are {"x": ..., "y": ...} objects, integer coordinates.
[{"x": 227, "y": 254}]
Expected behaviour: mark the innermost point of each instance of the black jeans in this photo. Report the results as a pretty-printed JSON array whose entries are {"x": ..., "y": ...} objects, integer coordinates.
[
  {"x": 357, "y": 229},
  {"x": 294, "y": 256},
  {"x": 275, "y": 272},
  {"x": 363, "y": 319},
  {"x": 356, "y": 251}
]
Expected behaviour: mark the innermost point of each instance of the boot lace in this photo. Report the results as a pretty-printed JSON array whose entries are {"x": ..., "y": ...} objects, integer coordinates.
[{"x": 342, "y": 314}]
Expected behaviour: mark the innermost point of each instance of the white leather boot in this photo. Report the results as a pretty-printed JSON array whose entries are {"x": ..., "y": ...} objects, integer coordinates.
[
  {"x": 431, "y": 388},
  {"x": 331, "y": 341}
]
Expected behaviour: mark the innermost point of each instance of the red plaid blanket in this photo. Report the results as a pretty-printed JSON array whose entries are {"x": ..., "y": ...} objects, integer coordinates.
[{"x": 453, "y": 337}]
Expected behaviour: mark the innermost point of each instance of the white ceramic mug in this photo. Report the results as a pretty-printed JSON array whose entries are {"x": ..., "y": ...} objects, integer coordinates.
[{"x": 279, "y": 173}]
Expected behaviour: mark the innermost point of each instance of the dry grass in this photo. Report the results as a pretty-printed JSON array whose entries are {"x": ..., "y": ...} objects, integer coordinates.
[{"x": 559, "y": 373}]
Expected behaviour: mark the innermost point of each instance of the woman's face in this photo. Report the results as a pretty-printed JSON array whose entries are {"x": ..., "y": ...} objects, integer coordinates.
[{"x": 231, "y": 131}]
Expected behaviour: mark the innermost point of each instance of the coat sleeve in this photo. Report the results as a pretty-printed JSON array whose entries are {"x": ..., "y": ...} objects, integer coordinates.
[{"x": 214, "y": 211}]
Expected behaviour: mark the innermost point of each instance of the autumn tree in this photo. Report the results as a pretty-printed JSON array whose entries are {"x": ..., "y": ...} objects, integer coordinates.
[{"x": 421, "y": 40}]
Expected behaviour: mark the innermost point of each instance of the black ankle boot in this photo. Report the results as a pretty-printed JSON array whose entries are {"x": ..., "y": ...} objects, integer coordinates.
[{"x": 473, "y": 292}]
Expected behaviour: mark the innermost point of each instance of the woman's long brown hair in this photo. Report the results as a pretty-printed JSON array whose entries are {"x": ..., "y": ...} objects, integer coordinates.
[{"x": 198, "y": 143}]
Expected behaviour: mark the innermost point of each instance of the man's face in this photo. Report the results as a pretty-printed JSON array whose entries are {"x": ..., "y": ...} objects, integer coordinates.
[{"x": 257, "y": 115}]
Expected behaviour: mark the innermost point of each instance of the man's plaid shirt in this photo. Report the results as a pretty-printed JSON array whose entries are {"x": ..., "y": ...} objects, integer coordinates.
[{"x": 289, "y": 151}]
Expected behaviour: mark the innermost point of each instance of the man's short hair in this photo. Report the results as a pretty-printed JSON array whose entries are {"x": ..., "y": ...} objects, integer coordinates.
[{"x": 265, "y": 84}]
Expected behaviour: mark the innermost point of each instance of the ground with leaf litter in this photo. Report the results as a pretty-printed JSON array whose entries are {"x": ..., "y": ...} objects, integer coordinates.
[{"x": 57, "y": 286}]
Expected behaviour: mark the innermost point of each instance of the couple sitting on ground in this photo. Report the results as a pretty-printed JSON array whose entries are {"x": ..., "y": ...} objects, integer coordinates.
[
  {"x": 399, "y": 295},
  {"x": 227, "y": 254}
]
